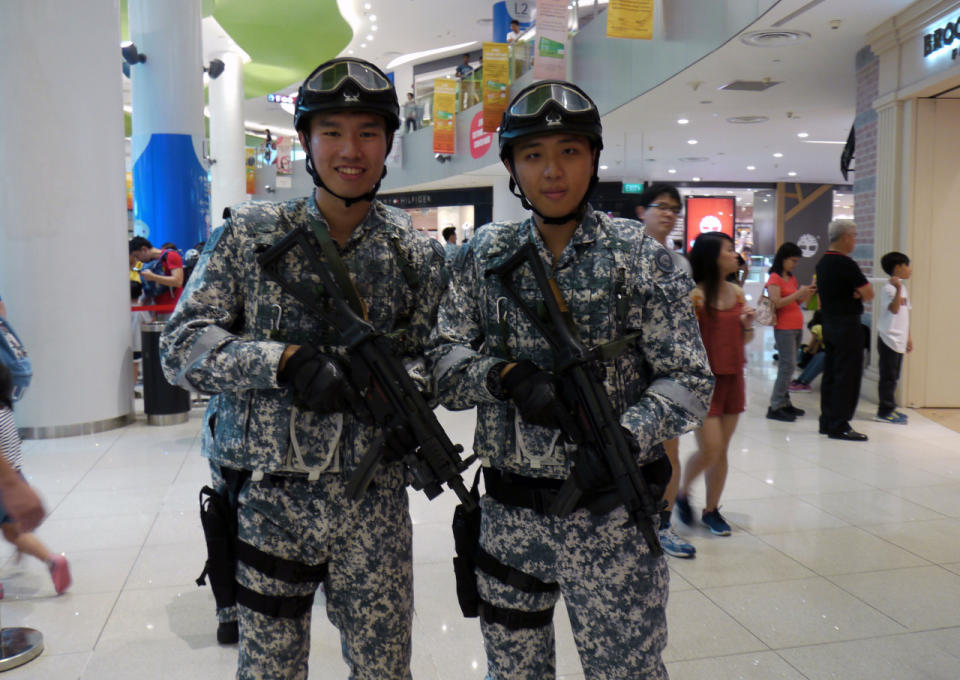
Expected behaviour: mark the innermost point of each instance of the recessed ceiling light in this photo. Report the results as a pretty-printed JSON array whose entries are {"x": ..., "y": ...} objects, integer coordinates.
[
  {"x": 803, "y": 135},
  {"x": 349, "y": 51},
  {"x": 362, "y": 45},
  {"x": 672, "y": 171},
  {"x": 682, "y": 121},
  {"x": 792, "y": 174},
  {"x": 369, "y": 37},
  {"x": 778, "y": 155},
  {"x": 751, "y": 167},
  {"x": 374, "y": 28},
  {"x": 366, "y": 5},
  {"x": 691, "y": 141},
  {"x": 695, "y": 179},
  {"x": 604, "y": 167},
  {"x": 373, "y": 17}
]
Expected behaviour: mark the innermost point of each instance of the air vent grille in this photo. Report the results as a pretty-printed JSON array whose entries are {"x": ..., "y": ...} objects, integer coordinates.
[
  {"x": 780, "y": 38},
  {"x": 747, "y": 120},
  {"x": 749, "y": 85}
]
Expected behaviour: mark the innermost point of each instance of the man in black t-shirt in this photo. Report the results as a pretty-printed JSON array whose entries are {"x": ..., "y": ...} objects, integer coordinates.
[{"x": 843, "y": 289}]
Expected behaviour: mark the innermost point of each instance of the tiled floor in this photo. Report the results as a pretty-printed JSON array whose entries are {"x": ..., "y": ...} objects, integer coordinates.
[{"x": 844, "y": 562}]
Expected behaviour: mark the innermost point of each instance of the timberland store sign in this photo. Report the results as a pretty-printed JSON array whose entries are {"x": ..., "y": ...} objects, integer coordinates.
[{"x": 943, "y": 38}]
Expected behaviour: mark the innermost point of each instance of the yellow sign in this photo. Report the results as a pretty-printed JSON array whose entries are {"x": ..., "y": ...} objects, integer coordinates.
[
  {"x": 496, "y": 83},
  {"x": 630, "y": 19},
  {"x": 444, "y": 115},
  {"x": 251, "y": 170}
]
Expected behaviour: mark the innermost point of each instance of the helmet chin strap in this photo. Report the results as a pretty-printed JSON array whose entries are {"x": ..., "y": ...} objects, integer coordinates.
[
  {"x": 576, "y": 215},
  {"x": 348, "y": 201}
]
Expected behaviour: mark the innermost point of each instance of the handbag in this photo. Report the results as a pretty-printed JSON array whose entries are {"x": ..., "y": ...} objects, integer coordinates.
[{"x": 766, "y": 312}]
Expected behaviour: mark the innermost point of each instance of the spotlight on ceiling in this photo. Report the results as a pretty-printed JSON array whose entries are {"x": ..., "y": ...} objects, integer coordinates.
[
  {"x": 214, "y": 69},
  {"x": 130, "y": 53}
]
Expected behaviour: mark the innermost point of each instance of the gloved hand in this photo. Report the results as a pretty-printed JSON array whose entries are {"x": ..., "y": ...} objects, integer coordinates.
[
  {"x": 319, "y": 382},
  {"x": 536, "y": 394},
  {"x": 398, "y": 441},
  {"x": 593, "y": 473}
]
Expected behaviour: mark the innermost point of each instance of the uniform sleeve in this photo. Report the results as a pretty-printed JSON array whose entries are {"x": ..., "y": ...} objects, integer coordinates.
[
  {"x": 198, "y": 349},
  {"x": 459, "y": 369},
  {"x": 682, "y": 383}
]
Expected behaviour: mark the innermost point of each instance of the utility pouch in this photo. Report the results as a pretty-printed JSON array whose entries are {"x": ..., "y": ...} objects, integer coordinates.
[
  {"x": 219, "y": 522},
  {"x": 466, "y": 536}
]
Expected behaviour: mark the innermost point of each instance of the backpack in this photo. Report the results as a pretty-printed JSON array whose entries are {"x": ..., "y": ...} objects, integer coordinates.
[
  {"x": 152, "y": 289},
  {"x": 14, "y": 356}
]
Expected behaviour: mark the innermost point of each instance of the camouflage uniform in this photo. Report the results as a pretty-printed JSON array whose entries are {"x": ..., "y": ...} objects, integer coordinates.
[
  {"x": 227, "y": 336},
  {"x": 615, "y": 591}
]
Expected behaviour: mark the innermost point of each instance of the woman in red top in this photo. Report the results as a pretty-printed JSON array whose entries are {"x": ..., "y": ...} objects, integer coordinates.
[
  {"x": 726, "y": 324},
  {"x": 786, "y": 295}
]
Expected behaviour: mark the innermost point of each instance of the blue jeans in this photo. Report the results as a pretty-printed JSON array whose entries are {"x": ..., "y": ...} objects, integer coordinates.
[{"x": 813, "y": 368}]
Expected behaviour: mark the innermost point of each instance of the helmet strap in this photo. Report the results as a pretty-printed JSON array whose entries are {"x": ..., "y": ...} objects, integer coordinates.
[{"x": 575, "y": 215}]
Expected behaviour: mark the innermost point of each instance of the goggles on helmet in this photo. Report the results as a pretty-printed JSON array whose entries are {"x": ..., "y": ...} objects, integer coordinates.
[
  {"x": 534, "y": 101},
  {"x": 331, "y": 78}
]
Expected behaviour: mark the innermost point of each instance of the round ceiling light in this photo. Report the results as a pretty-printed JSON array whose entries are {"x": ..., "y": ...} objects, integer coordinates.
[
  {"x": 747, "y": 120},
  {"x": 773, "y": 38}
]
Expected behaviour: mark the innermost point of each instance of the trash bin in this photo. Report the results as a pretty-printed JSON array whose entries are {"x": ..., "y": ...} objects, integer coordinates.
[{"x": 164, "y": 404}]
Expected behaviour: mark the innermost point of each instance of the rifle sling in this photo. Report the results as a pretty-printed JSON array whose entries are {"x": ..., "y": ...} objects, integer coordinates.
[{"x": 337, "y": 268}]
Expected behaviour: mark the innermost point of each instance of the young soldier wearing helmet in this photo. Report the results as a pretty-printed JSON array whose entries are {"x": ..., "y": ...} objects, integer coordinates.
[
  {"x": 621, "y": 290},
  {"x": 285, "y": 432}
]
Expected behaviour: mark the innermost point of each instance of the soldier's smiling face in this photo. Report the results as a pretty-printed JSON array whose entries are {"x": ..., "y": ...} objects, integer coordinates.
[
  {"x": 348, "y": 150},
  {"x": 554, "y": 171}
]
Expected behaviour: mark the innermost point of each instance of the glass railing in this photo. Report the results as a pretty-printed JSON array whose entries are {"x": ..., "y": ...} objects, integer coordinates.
[{"x": 470, "y": 88}]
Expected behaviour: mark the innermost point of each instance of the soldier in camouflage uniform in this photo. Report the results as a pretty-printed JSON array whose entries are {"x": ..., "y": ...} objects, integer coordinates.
[
  {"x": 284, "y": 415},
  {"x": 486, "y": 353}
]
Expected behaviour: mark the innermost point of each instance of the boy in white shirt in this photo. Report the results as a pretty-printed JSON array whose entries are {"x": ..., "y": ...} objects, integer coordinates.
[{"x": 893, "y": 334}]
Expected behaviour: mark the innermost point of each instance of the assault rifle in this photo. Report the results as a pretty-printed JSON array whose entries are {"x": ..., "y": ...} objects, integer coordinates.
[
  {"x": 389, "y": 395},
  {"x": 594, "y": 425}
]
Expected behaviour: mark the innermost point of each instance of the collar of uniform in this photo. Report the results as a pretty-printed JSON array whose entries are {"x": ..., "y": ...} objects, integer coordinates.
[
  {"x": 586, "y": 233},
  {"x": 372, "y": 220}
]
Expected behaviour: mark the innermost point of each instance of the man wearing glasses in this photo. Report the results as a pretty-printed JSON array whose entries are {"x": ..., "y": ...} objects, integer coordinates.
[
  {"x": 619, "y": 289},
  {"x": 288, "y": 432}
]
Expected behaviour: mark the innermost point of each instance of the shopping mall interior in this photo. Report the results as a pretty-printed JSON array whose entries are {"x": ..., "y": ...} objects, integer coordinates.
[{"x": 772, "y": 118}]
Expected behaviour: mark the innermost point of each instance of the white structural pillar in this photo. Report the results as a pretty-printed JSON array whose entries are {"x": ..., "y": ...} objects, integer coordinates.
[
  {"x": 63, "y": 230},
  {"x": 228, "y": 181},
  {"x": 506, "y": 206},
  {"x": 171, "y": 193}
]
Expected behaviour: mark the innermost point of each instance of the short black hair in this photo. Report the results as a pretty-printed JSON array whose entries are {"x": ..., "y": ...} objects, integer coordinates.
[
  {"x": 652, "y": 192},
  {"x": 448, "y": 232},
  {"x": 170, "y": 245},
  {"x": 138, "y": 242},
  {"x": 890, "y": 261},
  {"x": 514, "y": 21},
  {"x": 136, "y": 290}
]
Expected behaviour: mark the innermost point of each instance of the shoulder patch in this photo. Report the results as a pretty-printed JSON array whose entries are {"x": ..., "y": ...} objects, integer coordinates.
[{"x": 664, "y": 261}]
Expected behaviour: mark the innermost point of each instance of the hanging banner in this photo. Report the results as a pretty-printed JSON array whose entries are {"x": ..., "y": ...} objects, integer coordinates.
[
  {"x": 251, "y": 169},
  {"x": 630, "y": 19},
  {"x": 550, "y": 58},
  {"x": 284, "y": 150},
  {"x": 444, "y": 119},
  {"x": 496, "y": 83}
]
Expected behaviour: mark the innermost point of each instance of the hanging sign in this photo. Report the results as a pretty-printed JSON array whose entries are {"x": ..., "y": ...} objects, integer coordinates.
[
  {"x": 550, "y": 57},
  {"x": 444, "y": 115},
  {"x": 630, "y": 19},
  {"x": 496, "y": 83}
]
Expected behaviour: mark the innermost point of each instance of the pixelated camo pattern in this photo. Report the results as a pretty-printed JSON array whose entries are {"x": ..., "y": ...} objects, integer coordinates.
[
  {"x": 369, "y": 586},
  {"x": 232, "y": 325},
  {"x": 661, "y": 385}
]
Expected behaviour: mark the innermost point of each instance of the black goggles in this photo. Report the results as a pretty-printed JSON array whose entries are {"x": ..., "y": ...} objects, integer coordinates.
[
  {"x": 330, "y": 79},
  {"x": 534, "y": 101}
]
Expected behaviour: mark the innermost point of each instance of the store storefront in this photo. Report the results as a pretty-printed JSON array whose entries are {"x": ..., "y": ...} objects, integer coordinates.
[
  {"x": 434, "y": 210},
  {"x": 911, "y": 67}
]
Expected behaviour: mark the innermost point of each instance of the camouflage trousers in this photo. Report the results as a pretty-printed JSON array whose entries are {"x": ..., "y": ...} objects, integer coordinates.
[
  {"x": 614, "y": 590},
  {"x": 366, "y": 545}
]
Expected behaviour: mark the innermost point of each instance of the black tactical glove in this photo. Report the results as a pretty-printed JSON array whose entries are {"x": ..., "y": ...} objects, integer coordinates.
[
  {"x": 594, "y": 475},
  {"x": 398, "y": 441},
  {"x": 319, "y": 382},
  {"x": 536, "y": 394}
]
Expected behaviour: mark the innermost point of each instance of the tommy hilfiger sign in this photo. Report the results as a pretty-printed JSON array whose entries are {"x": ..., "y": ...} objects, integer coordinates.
[{"x": 941, "y": 38}]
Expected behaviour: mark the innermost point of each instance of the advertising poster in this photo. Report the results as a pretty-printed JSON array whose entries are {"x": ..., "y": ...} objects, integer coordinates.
[
  {"x": 284, "y": 150},
  {"x": 550, "y": 57},
  {"x": 630, "y": 19},
  {"x": 708, "y": 213},
  {"x": 496, "y": 83},
  {"x": 444, "y": 117},
  {"x": 251, "y": 169}
]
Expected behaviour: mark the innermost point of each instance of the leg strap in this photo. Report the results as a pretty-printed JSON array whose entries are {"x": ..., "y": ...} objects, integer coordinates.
[
  {"x": 514, "y": 619},
  {"x": 510, "y": 575},
  {"x": 278, "y": 567},
  {"x": 275, "y": 606}
]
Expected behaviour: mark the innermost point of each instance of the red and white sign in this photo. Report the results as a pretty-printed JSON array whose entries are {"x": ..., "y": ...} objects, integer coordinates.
[
  {"x": 709, "y": 213},
  {"x": 480, "y": 141}
]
